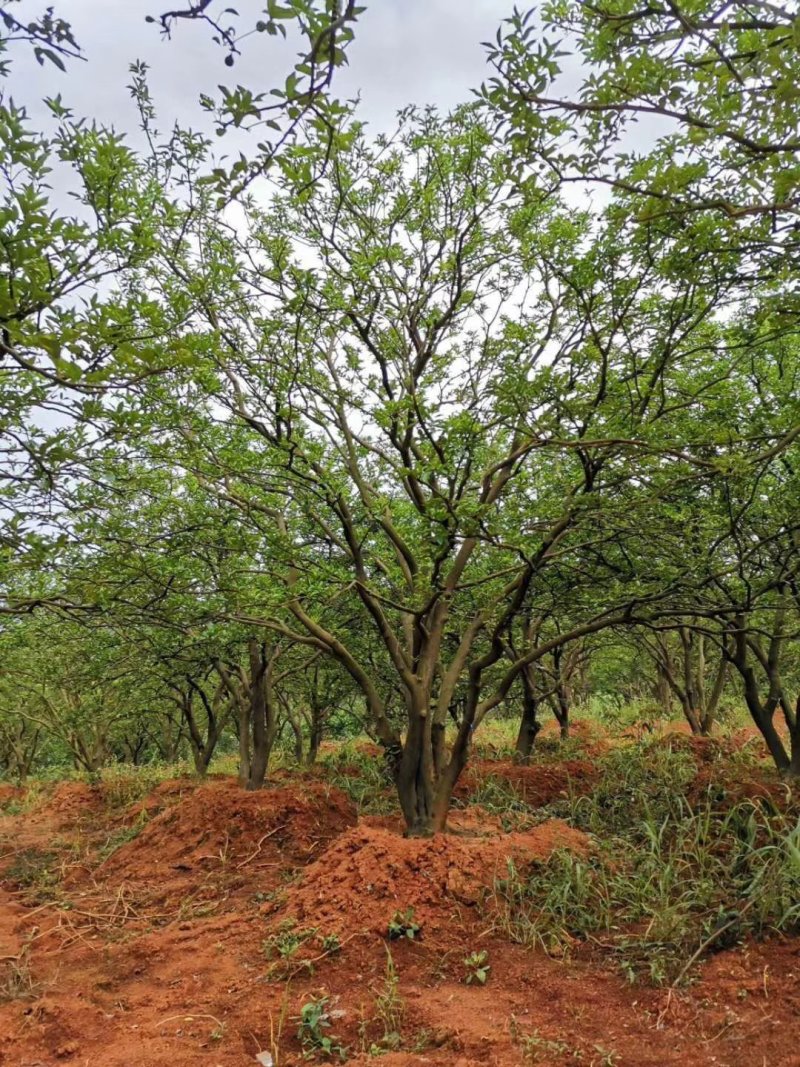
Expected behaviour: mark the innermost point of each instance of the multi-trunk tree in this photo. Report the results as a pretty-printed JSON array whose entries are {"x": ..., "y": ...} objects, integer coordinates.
[{"x": 427, "y": 394}]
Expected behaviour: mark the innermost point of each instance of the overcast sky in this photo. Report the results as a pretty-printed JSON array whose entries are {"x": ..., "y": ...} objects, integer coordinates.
[{"x": 406, "y": 51}]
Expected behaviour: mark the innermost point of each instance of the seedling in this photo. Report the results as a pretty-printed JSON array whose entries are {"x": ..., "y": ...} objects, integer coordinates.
[
  {"x": 315, "y": 1019},
  {"x": 331, "y": 944},
  {"x": 286, "y": 940},
  {"x": 402, "y": 925},
  {"x": 478, "y": 968}
]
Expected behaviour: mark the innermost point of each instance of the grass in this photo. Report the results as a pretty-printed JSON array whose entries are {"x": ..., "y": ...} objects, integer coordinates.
[
  {"x": 123, "y": 836},
  {"x": 37, "y": 872},
  {"x": 668, "y": 882},
  {"x": 16, "y": 979},
  {"x": 390, "y": 1008},
  {"x": 363, "y": 777}
]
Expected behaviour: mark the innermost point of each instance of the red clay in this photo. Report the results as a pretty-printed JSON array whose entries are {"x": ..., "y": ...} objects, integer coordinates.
[
  {"x": 537, "y": 784},
  {"x": 371, "y": 872},
  {"x": 154, "y": 956}
]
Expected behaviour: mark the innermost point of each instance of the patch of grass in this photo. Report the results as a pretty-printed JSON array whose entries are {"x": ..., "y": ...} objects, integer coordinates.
[
  {"x": 16, "y": 979},
  {"x": 123, "y": 836},
  {"x": 538, "y": 1049},
  {"x": 122, "y": 785},
  {"x": 37, "y": 872},
  {"x": 389, "y": 1010},
  {"x": 363, "y": 777},
  {"x": 671, "y": 884},
  {"x": 640, "y": 784},
  {"x": 501, "y": 798},
  {"x": 31, "y": 796}
]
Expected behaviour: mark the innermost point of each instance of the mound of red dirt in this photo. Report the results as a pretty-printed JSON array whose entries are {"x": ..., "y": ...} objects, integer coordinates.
[
  {"x": 537, "y": 784},
  {"x": 579, "y": 729},
  {"x": 220, "y": 824},
  {"x": 70, "y": 801},
  {"x": 371, "y": 872},
  {"x": 732, "y": 785},
  {"x": 162, "y": 796}
]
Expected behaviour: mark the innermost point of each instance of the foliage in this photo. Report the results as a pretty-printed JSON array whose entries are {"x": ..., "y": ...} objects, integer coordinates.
[
  {"x": 402, "y": 925},
  {"x": 315, "y": 1019},
  {"x": 410, "y": 440},
  {"x": 477, "y": 967}
]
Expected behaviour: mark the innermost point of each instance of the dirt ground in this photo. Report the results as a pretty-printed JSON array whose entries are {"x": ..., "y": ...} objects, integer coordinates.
[{"x": 190, "y": 927}]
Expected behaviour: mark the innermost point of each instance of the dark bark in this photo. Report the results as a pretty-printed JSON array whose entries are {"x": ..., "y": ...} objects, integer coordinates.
[
  {"x": 761, "y": 711},
  {"x": 202, "y": 745},
  {"x": 263, "y": 710},
  {"x": 258, "y": 713},
  {"x": 529, "y": 725}
]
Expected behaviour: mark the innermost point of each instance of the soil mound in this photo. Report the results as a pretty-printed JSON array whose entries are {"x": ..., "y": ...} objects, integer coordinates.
[
  {"x": 579, "y": 729},
  {"x": 371, "y": 872},
  {"x": 161, "y": 796},
  {"x": 70, "y": 801},
  {"x": 536, "y": 784},
  {"x": 219, "y": 823}
]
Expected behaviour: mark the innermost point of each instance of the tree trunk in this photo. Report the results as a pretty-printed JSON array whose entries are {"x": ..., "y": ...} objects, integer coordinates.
[
  {"x": 761, "y": 713},
  {"x": 297, "y": 731},
  {"x": 529, "y": 725},
  {"x": 439, "y": 746},
  {"x": 243, "y": 723},
  {"x": 258, "y": 714},
  {"x": 315, "y": 734},
  {"x": 561, "y": 712},
  {"x": 793, "y": 771},
  {"x": 416, "y": 786}
]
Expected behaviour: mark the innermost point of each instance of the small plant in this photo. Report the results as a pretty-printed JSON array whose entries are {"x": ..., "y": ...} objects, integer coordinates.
[
  {"x": 284, "y": 943},
  {"x": 537, "y": 1049},
  {"x": 478, "y": 968},
  {"x": 606, "y": 1058},
  {"x": 282, "y": 948},
  {"x": 331, "y": 945},
  {"x": 402, "y": 925},
  {"x": 314, "y": 1020},
  {"x": 16, "y": 980},
  {"x": 217, "y": 1033},
  {"x": 390, "y": 1009}
]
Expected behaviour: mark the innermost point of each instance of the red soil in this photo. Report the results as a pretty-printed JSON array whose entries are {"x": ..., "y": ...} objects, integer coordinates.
[
  {"x": 371, "y": 872},
  {"x": 537, "y": 784},
  {"x": 221, "y": 824},
  {"x": 154, "y": 956}
]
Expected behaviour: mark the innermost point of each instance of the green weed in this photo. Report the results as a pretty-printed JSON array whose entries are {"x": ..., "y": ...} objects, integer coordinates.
[
  {"x": 477, "y": 968},
  {"x": 402, "y": 925},
  {"x": 314, "y": 1022}
]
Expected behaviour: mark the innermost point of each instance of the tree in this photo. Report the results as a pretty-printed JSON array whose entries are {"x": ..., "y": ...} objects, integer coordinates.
[
  {"x": 680, "y": 659},
  {"x": 431, "y": 409}
]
